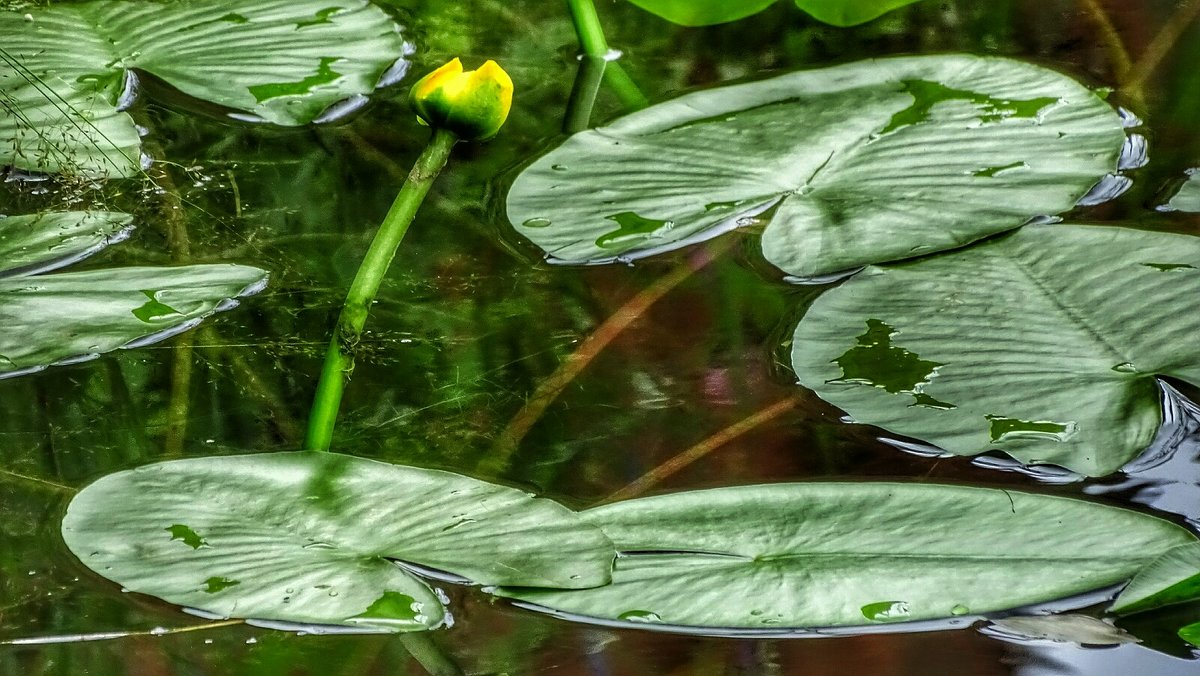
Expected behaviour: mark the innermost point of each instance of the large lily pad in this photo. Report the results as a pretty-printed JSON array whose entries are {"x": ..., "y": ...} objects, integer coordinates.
[
  {"x": 40, "y": 242},
  {"x": 863, "y": 163},
  {"x": 1172, "y": 578},
  {"x": 281, "y": 61},
  {"x": 314, "y": 537},
  {"x": 847, "y": 554},
  {"x": 73, "y": 316},
  {"x": 1044, "y": 344},
  {"x": 709, "y": 12}
]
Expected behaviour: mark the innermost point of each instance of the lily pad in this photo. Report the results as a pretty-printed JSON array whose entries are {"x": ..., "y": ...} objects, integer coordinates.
[
  {"x": 1172, "y": 578},
  {"x": 702, "y": 12},
  {"x": 1191, "y": 634},
  {"x": 1187, "y": 197},
  {"x": 863, "y": 163},
  {"x": 69, "y": 317},
  {"x": 1045, "y": 344},
  {"x": 709, "y": 12},
  {"x": 1066, "y": 628},
  {"x": 71, "y": 67},
  {"x": 51, "y": 128},
  {"x": 40, "y": 242},
  {"x": 849, "y": 554},
  {"x": 315, "y": 537}
]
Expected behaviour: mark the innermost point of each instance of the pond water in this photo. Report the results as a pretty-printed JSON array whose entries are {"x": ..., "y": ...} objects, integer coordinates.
[{"x": 471, "y": 319}]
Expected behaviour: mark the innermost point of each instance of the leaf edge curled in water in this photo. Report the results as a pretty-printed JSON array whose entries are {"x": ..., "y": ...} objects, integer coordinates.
[
  {"x": 80, "y": 233},
  {"x": 1172, "y": 578}
]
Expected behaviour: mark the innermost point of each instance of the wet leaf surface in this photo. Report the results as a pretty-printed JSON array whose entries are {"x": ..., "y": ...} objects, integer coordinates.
[
  {"x": 40, "y": 242},
  {"x": 849, "y": 554},
  {"x": 279, "y": 61},
  {"x": 864, "y": 163},
  {"x": 317, "y": 537},
  {"x": 57, "y": 318},
  {"x": 1044, "y": 344}
]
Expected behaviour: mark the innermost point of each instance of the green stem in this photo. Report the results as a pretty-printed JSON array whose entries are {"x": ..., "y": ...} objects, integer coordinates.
[
  {"x": 583, "y": 94},
  {"x": 591, "y": 39},
  {"x": 339, "y": 359},
  {"x": 588, "y": 28},
  {"x": 431, "y": 657},
  {"x": 624, "y": 87}
]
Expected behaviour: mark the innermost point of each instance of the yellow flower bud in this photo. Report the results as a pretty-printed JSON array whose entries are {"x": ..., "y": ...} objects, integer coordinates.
[{"x": 472, "y": 104}]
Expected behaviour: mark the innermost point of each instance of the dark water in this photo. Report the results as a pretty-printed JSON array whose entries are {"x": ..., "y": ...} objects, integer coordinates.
[{"x": 469, "y": 322}]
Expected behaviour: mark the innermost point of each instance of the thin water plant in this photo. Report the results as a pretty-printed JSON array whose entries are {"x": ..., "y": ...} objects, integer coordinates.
[{"x": 459, "y": 106}]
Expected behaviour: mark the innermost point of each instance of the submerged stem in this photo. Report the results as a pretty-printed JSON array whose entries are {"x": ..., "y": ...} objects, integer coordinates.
[
  {"x": 549, "y": 389},
  {"x": 339, "y": 359},
  {"x": 595, "y": 46},
  {"x": 1160, "y": 46},
  {"x": 705, "y": 447},
  {"x": 430, "y": 655},
  {"x": 1117, "y": 52},
  {"x": 583, "y": 94}
]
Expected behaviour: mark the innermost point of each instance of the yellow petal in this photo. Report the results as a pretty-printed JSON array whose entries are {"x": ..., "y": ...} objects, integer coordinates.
[{"x": 437, "y": 79}]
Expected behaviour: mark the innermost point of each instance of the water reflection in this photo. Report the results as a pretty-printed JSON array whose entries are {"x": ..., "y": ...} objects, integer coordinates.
[
  {"x": 1045, "y": 658},
  {"x": 1167, "y": 475}
]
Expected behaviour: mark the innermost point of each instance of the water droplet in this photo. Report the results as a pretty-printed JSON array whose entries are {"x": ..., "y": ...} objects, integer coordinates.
[
  {"x": 537, "y": 223},
  {"x": 959, "y": 609},
  {"x": 643, "y": 616},
  {"x": 158, "y": 631},
  {"x": 1125, "y": 367},
  {"x": 558, "y": 167}
]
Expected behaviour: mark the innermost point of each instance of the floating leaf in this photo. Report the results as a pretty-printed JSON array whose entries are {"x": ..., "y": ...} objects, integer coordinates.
[
  {"x": 863, "y": 163},
  {"x": 1191, "y": 634},
  {"x": 847, "y": 554},
  {"x": 703, "y": 12},
  {"x": 281, "y": 61},
  {"x": 1187, "y": 196},
  {"x": 317, "y": 537},
  {"x": 73, "y": 316},
  {"x": 51, "y": 128},
  {"x": 1066, "y": 628},
  {"x": 39, "y": 242},
  {"x": 1172, "y": 578},
  {"x": 709, "y": 12},
  {"x": 849, "y": 12},
  {"x": 1044, "y": 344}
]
